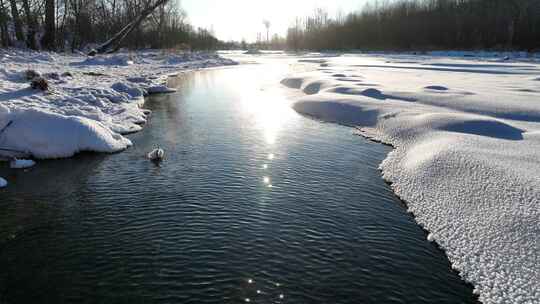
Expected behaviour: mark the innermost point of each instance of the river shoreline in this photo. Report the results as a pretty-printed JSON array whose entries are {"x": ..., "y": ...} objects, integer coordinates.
[{"x": 462, "y": 153}]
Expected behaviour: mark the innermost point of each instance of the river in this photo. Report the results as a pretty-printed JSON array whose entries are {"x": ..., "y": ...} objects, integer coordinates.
[{"x": 253, "y": 203}]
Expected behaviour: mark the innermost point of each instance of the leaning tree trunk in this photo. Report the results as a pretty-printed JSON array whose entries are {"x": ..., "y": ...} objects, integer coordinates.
[
  {"x": 48, "y": 40},
  {"x": 114, "y": 44}
]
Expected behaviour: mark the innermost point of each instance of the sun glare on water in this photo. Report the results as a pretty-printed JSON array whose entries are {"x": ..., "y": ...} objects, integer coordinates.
[{"x": 269, "y": 110}]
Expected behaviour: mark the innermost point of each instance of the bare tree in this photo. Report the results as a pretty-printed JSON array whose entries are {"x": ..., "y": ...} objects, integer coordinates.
[
  {"x": 130, "y": 23},
  {"x": 4, "y": 34},
  {"x": 48, "y": 40},
  {"x": 267, "y": 25},
  {"x": 425, "y": 24},
  {"x": 31, "y": 24},
  {"x": 16, "y": 20}
]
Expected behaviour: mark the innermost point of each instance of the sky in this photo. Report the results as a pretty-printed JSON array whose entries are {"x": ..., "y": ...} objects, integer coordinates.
[{"x": 243, "y": 19}]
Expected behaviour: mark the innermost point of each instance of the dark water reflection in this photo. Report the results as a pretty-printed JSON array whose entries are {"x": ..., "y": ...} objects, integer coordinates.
[{"x": 253, "y": 202}]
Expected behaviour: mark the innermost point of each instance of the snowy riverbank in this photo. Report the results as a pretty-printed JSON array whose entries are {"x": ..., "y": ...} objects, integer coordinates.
[
  {"x": 467, "y": 153},
  {"x": 91, "y": 101}
]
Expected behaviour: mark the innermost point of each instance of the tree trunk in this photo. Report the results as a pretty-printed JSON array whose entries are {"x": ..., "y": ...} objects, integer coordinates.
[
  {"x": 114, "y": 44},
  {"x": 48, "y": 40},
  {"x": 31, "y": 34},
  {"x": 4, "y": 35},
  {"x": 16, "y": 20}
]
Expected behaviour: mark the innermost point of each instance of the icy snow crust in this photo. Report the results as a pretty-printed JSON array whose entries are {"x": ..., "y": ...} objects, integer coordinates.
[
  {"x": 92, "y": 101},
  {"x": 467, "y": 154}
]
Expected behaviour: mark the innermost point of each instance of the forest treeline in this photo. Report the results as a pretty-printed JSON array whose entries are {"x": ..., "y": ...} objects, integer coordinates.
[
  {"x": 75, "y": 24},
  {"x": 423, "y": 25}
]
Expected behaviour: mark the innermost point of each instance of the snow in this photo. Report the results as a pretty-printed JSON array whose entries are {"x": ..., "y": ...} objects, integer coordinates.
[
  {"x": 466, "y": 161},
  {"x": 21, "y": 163},
  {"x": 92, "y": 103},
  {"x": 253, "y": 52},
  {"x": 44, "y": 134}
]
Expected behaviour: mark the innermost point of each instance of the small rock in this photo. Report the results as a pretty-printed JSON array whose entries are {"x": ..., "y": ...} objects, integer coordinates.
[{"x": 39, "y": 83}]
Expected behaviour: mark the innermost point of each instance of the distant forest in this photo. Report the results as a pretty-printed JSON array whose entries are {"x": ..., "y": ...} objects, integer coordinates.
[
  {"x": 75, "y": 24},
  {"x": 423, "y": 25}
]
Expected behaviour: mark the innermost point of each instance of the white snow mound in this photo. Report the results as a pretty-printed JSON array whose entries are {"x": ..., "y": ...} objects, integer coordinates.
[
  {"x": 466, "y": 161},
  {"x": 49, "y": 135}
]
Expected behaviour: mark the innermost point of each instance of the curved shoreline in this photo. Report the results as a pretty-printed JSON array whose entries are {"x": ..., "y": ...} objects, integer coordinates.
[{"x": 441, "y": 167}]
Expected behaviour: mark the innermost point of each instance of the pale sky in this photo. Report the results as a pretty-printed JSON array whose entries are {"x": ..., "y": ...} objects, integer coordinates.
[{"x": 238, "y": 19}]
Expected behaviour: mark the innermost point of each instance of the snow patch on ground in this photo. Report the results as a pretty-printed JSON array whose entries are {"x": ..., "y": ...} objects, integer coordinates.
[{"x": 466, "y": 158}]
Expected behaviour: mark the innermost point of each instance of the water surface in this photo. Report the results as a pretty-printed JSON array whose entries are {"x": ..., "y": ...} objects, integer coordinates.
[{"x": 253, "y": 203}]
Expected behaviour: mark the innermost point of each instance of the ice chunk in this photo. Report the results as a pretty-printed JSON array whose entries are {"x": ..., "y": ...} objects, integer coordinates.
[{"x": 21, "y": 163}]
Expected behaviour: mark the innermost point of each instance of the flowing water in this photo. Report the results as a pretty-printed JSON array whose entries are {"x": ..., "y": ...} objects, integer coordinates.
[{"x": 253, "y": 203}]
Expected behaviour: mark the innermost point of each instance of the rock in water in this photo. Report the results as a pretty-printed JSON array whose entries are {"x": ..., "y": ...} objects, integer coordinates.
[{"x": 156, "y": 154}]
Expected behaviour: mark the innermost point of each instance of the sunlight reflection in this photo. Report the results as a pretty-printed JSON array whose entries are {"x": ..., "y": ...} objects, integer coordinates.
[
  {"x": 269, "y": 109},
  {"x": 271, "y": 156},
  {"x": 260, "y": 291}
]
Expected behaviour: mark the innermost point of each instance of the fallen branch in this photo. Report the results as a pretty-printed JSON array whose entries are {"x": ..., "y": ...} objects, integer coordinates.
[
  {"x": 5, "y": 127},
  {"x": 113, "y": 44}
]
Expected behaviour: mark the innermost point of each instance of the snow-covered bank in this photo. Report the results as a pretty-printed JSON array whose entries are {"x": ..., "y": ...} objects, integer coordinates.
[
  {"x": 92, "y": 99},
  {"x": 467, "y": 154},
  {"x": 91, "y": 102}
]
